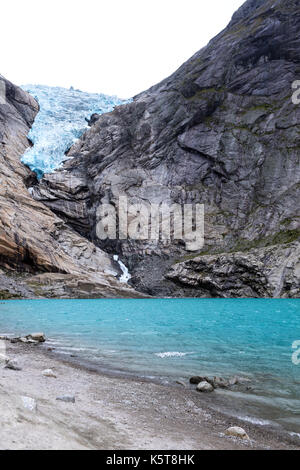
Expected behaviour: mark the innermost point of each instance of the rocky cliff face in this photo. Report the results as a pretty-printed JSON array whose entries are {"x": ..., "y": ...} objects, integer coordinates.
[
  {"x": 33, "y": 240},
  {"x": 221, "y": 131}
]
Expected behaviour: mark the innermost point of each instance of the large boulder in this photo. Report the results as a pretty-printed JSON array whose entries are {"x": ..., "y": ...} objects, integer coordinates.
[{"x": 205, "y": 387}]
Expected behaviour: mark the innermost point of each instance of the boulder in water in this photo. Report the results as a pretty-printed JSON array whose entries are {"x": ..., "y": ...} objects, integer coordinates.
[
  {"x": 39, "y": 337},
  {"x": 219, "y": 382},
  {"x": 196, "y": 379}
]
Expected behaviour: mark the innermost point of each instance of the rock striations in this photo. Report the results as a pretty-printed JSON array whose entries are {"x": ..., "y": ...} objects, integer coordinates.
[
  {"x": 53, "y": 258},
  {"x": 222, "y": 131}
]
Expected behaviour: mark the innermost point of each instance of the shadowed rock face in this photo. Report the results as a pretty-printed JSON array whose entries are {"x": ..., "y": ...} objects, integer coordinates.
[
  {"x": 222, "y": 131},
  {"x": 32, "y": 238}
]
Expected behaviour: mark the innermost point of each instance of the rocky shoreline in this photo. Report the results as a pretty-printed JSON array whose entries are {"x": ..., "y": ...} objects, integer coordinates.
[{"x": 48, "y": 402}]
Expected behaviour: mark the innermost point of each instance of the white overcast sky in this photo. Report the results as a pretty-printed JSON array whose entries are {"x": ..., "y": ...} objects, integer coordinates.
[{"x": 118, "y": 47}]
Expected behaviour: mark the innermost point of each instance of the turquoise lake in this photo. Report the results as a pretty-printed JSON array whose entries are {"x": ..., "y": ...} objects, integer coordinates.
[{"x": 172, "y": 339}]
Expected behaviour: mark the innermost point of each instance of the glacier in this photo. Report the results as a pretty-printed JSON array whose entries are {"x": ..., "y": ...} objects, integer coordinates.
[{"x": 60, "y": 122}]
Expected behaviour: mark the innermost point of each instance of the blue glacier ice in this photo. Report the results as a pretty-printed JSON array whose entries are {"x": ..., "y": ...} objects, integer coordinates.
[{"x": 60, "y": 122}]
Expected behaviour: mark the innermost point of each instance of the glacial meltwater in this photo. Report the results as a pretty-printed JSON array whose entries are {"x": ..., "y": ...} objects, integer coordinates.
[{"x": 173, "y": 339}]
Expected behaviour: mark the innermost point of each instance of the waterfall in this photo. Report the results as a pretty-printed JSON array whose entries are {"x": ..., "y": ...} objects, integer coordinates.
[{"x": 126, "y": 275}]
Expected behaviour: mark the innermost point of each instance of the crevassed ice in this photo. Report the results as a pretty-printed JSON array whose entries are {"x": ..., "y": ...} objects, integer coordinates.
[{"x": 60, "y": 122}]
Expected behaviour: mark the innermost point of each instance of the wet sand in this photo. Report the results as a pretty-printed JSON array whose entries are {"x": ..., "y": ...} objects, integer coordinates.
[{"x": 112, "y": 413}]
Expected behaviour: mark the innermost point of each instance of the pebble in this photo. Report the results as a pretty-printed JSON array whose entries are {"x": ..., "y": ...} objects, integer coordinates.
[
  {"x": 29, "y": 403},
  {"x": 66, "y": 399},
  {"x": 49, "y": 373}
]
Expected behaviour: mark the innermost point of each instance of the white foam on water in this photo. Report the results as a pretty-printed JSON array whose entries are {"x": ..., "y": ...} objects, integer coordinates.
[
  {"x": 170, "y": 354},
  {"x": 252, "y": 420}
]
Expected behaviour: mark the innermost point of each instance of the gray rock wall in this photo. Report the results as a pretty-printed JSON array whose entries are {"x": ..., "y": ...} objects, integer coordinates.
[{"x": 222, "y": 131}]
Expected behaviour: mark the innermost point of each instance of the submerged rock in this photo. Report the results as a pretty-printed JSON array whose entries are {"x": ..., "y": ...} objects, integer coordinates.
[
  {"x": 219, "y": 382},
  {"x": 233, "y": 381}
]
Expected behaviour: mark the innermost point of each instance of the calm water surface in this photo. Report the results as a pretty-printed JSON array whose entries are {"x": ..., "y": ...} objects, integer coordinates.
[{"x": 170, "y": 339}]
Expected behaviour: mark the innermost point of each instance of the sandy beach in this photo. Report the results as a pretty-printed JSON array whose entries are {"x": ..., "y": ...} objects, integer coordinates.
[{"x": 109, "y": 412}]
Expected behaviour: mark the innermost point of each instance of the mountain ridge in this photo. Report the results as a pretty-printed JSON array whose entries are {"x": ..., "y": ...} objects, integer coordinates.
[{"x": 221, "y": 131}]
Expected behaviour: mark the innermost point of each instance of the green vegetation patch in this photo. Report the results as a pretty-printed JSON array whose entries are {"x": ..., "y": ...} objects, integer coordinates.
[{"x": 6, "y": 295}]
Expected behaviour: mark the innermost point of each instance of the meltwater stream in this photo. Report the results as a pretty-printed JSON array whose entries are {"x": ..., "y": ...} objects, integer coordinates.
[
  {"x": 60, "y": 122},
  {"x": 171, "y": 339},
  {"x": 125, "y": 273}
]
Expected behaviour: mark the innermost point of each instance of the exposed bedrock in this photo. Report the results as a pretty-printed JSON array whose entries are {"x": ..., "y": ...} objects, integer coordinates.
[
  {"x": 222, "y": 131},
  {"x": 32, "y": 238}
]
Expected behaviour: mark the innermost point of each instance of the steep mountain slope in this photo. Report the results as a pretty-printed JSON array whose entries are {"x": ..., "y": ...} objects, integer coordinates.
[
  {"x": 222, "y": 131},
  {"x": 32, "y": 238}
]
